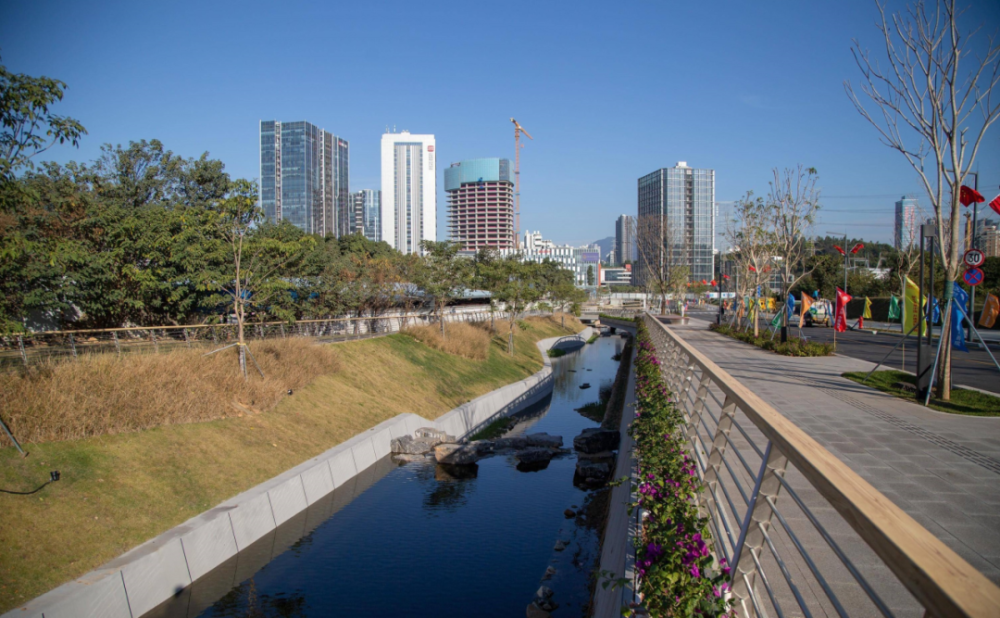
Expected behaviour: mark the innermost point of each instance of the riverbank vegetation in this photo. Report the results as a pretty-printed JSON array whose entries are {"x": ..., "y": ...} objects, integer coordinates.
[
  {"x": 678, "y": 575},
  {"x": 904, "y": 385},
  {"x": 119, "y": 490},
  {"x": 795, "y": 346}
]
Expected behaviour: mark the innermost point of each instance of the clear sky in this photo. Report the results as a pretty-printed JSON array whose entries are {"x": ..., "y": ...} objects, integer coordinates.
[{"x": 609, "y": 90}]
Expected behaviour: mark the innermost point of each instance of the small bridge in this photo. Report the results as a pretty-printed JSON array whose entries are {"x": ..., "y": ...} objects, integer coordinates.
[{"x": 569, "y": 343}]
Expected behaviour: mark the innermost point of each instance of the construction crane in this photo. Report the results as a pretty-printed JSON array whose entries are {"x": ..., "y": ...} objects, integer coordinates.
[{"x": 518, "y": 130}]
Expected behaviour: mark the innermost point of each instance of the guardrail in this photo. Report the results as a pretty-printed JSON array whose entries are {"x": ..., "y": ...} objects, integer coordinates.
[
  {"x": 837, "y": 546},
  {"x": 30, "y": 348}
]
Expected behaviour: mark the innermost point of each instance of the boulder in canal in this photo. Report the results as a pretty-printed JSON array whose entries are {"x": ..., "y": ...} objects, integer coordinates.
[
  {"x": 596, "y": 440},
  {"x": 412, "y": 446},
  {"x": 544, "y": 440},
  {"x": 534, "y": 455},
  {"x": 458, "y": 454}
]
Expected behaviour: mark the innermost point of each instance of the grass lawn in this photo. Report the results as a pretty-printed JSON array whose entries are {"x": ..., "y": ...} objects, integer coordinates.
[
  {"x": 118, "y": 491},
  {"x": 962, "y": 401}
]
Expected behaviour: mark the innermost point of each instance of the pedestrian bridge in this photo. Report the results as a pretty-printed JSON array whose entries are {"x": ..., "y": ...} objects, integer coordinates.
[{"x": 844, "y": 503}]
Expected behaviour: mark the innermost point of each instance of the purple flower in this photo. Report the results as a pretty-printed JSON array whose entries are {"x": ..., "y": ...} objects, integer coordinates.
[{"x": 695, "y": 572}]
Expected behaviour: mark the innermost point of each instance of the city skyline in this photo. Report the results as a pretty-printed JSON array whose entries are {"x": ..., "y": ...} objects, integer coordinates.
[{"x": 600, "y": 103}]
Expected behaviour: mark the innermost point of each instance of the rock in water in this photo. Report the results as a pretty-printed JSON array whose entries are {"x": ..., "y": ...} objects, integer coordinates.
[
  {"x": 544, "y": 592},
  {"x": 592, "y": 471},
  {"x": 534, "y": 455},
  {"x": 434, "y": 435},
  {"x": 544, "y": 440},
  {"x": 458, "y": 454},
  {"x": 595, "y": 440},
  {"x": 569, "y": 513},
  {"x": 549, "y": 572},
  {"x": 534, "y": 611},
  {"x": 560, "y": 545},
  {"x": 585, "y": 385},
  {"x": 412, "y": 446}
]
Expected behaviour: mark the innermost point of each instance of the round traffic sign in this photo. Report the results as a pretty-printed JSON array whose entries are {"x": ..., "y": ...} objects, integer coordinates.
[
  {"x": 974, "y": 258},
  {"x": 973, "y": 276}
]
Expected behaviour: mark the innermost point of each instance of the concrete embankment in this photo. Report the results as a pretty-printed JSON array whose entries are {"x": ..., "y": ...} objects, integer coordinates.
[{"x": 158, "y": 570}]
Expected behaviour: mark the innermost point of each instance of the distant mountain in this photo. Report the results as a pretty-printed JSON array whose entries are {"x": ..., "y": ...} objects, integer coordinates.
[{"x": 606, "y": 245}]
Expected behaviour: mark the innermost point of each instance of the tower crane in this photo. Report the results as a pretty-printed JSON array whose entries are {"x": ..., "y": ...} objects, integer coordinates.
[{"x": 518, "y": 130}]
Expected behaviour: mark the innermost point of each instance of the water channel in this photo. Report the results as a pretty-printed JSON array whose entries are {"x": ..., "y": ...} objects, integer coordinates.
[{"x": 417, "y": 539}]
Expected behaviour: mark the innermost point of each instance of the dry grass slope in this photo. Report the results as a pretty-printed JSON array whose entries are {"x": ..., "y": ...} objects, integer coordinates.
[
  {"x": 120, "y": 490},
  {"x": 106, "y": 395},
  {"x": 467, "y": 340}
]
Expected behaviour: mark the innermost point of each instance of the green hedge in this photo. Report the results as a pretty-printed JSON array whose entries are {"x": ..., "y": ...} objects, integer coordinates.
[{"x": 793, "y": 347}]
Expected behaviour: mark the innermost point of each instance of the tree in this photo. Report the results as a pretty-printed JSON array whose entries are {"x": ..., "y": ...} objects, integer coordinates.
[
  {"x": 443, "y": 276},
  {"x": 27, "y": 127},
  {"x": 752, "y": 239},
  {"x": 663, "y": 268},
  {"x": 924, "y": 99},
  {"x": 590, "y": 275},
  {"x": 559, "y": 283},
  {"x": 519, "y": 284},
  {"x": 794, "y": 201},
  {"x": 248, "y": 264}
]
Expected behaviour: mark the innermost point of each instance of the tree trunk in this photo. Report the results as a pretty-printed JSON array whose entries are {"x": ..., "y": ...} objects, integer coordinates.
[
  {"x": 944, "y": 367},
  {"x": 441, "y": 319},
  {"x": 242, "y": 344}
]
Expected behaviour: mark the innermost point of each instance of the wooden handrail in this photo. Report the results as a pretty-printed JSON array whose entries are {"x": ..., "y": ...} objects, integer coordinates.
[{"x": 944, "y": 583}]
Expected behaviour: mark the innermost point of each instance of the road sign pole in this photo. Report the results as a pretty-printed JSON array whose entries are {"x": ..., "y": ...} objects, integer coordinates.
[{"x": 975, "y": 245}]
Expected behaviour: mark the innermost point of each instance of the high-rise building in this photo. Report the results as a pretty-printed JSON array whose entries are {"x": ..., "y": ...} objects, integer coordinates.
[
  {"x": 480, "y": 203},
  {"x": 988, "y": 237},
  {"x": 409, "y": 190},
  {"x": 675, "y": 227},
  {"x": 906, "y": 223},
  {"x": 367, "y": 213},
  {"x": 625, "y": 239},
  {"x": 303, "y": 176}
]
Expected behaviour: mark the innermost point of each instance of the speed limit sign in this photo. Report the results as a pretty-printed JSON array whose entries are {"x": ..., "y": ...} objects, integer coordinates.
[{"x": 974, "y": 258}]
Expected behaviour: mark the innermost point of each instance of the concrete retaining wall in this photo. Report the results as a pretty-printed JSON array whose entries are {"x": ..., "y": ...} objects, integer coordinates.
[{"x": 166, "y": 566}]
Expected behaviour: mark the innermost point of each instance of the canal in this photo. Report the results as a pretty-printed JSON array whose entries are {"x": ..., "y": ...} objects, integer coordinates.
[{"x": 418, "y": 539}]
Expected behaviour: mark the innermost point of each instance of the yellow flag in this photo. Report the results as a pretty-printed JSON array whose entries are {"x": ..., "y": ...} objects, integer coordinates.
[
  {"x": 868, "y": 309},
  {"x": 990, "y": 311},
  {"x": 911, "y": 305},
  {"x": 806, "y": 304}
]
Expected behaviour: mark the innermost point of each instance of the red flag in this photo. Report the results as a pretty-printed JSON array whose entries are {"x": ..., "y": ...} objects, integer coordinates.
[
  {"x": 857, "y": 247},
  {"x": 839, "y": 249},
  {"x": 967, "y": 195},
  {"x": 703, "y": 282},
  {"x": 752, "y": 268},
  {"x": 840, "y": 312},
  {"x": 727, "y": 276},
  {"x": 713, "y": 283},
  {"x": 995, "y": 204}
]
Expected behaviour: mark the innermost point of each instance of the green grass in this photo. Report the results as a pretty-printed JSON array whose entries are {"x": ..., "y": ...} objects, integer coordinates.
[
  {"x": 120, "y": 490},
  {"x": 556, "y": 352},
  {"x": 971, "y": 403},
  {"x": 594, "y": 337}
]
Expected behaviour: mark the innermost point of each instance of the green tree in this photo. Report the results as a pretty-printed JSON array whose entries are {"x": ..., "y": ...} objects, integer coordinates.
[
  {"x": 590, "y": 275},
  {"x": 443, "y": 276},
  {"x": 518, "y": 285}
]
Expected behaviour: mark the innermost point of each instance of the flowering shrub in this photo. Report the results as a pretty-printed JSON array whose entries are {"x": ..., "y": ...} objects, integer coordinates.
[{"x": 677, "y": 573}]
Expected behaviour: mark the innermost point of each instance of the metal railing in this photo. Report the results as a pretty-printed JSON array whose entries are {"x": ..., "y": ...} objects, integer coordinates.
[
  {"x": 834, "y": 546},
  {"x": 30, "y": 348}
]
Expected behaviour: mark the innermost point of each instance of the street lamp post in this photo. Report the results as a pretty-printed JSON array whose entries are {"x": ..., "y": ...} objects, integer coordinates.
[{"x": 975, "y": 245}]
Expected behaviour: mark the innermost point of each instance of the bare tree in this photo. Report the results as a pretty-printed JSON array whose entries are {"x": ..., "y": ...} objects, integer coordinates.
[
  {"x": 794, "y": 201},
  {"x": 751, "y": 238},
  {"x": 933, "y": 103},
  {"x": 663, "y": 262}
]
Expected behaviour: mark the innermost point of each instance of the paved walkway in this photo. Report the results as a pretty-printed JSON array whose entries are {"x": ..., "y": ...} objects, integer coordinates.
[{"x": 942, "y": 469}]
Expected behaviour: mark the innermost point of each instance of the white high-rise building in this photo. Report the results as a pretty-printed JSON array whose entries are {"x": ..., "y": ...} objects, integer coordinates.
[{"x": 409, "y": 190}]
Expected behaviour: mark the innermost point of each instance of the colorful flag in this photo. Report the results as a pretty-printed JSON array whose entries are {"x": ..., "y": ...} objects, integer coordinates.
[
  {"x": 867, "y": 313},
  {"x": 911, "y": 306},
  {"x": 995, "y": 204},
  {"x": 967, "y": 195},
  {"x": 991, "y": 309},
  {"x": 776, "y": 320},
  {"x": 840, "y": 314},
  {"x": 857, "y": 247},
  {"x": 932, "y": 311},
  {"x": 894, "y": 313},
  {"x": 842, "y": 252},
  {"x": 806, "y": 305},
  {"x": 791, "y": 306},
  {"x": 958, "y": 304}
]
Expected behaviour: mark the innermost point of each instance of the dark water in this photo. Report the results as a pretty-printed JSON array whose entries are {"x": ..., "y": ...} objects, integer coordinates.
[{"x": 414, "y": 540}]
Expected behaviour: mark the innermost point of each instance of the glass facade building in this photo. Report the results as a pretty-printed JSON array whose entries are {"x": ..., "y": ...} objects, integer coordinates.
[
  {"x": 675, "y": 227},
  {"x": 905, "y": 228},
  {"x": 480, "y": 203},
  {"x": 624, "y": 239},
  {"x": 303, "y": 176},
  {"x": 409, "y": 191},
  {"x": 368, "y": 214}
]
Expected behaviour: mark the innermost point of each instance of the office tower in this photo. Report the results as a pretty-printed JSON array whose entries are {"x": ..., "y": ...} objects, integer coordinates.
[
  {"x": 480, "y": 203},
  {"x": 303, "y": 175},
  {"x": 409, "y": 190},
  {"x": 367, "y": 213},
  {"x": 906, "y": 223},
  {"x": 675, "y": 227},
  {"x": 988, "y": 237},
  {"x": 624, "y": 239}
]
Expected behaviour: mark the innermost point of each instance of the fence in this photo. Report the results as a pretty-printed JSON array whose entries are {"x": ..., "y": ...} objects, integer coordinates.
[
  {"x": 33, "y": 348},
  {"x": 836, "y": 546}
]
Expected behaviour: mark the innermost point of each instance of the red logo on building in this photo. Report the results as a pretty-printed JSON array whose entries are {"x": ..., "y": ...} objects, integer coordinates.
[{"x": 430, "y": 149}]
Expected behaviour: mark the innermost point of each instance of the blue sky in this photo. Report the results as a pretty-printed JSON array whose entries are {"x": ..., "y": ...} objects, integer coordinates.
[{"x": 610, "y": 91}]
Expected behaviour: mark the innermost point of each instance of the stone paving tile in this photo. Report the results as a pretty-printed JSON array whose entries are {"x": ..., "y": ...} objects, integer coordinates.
[{"x": 927, "y": 462}]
